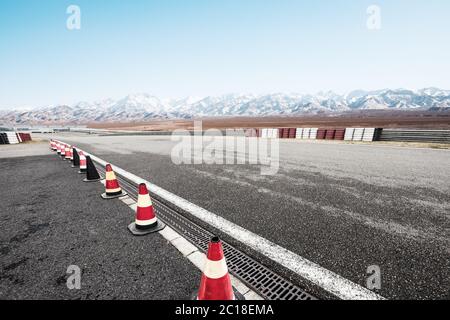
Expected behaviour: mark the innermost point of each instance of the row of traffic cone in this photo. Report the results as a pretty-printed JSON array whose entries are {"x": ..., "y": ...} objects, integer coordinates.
[{"x": 215, "y": 282}]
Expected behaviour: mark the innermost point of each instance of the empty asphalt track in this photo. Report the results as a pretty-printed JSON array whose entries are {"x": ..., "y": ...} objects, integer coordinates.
[{"x": 344, "y": 207}]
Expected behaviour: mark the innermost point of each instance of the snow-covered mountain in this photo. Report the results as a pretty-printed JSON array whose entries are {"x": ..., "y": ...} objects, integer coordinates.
[{"x": 141, "y": 107}]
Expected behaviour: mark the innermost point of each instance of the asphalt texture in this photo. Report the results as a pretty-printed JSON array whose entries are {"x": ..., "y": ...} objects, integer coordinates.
[
  {"x": 344, "y": 207},
  {"x": 50, "y": 220}
]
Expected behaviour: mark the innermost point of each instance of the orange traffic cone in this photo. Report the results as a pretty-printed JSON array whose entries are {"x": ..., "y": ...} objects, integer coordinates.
[
  {"x": 216, "y": 282},
  {"x": 112, "y": 188},
  {"x": 83, "y": 166},
  {"x": 146, "y": 221}
]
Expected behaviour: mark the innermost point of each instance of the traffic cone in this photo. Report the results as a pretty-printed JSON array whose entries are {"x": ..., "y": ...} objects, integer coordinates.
[
  {"x": 82, "y": 162},
  {"x": 76, "y": 158},
  {"x": 71, "y": 154},
  {"x": 63, "y": 151},
  {"x": 112, "y": 188},
  {"x": 67, "y": 156},
  {"x": 146, "y": 221},
  {"x": 91, "y": 171},
  {"x": 53, "y": 145},
  {"x": 216, "y": 282},
  {"x": 58, "y": 148}
]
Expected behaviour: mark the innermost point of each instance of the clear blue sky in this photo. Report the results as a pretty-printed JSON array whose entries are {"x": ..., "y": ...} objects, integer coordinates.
[{"x": 173, "y": 48}]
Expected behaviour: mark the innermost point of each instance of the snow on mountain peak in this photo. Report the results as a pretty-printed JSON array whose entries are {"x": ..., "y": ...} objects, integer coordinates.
[{"x": 143, "y": 106}]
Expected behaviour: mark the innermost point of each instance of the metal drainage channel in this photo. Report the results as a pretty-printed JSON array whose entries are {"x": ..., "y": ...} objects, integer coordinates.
[{"x": 265, "y": 282}]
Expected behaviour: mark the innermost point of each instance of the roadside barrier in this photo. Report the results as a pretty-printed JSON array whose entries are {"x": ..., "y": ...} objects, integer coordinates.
[
  {"x": 421, "y": 136},
  {"x": 12, "y": 137},
  {"x": 3, "y": 138}
]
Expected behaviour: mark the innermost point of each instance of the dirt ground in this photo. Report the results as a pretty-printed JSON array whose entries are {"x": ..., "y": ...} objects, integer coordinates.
[{"x": 418, "y": 120}]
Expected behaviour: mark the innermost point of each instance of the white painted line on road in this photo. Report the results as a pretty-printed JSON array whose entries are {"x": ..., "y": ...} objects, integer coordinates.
[{"x": 324, "y": 278}]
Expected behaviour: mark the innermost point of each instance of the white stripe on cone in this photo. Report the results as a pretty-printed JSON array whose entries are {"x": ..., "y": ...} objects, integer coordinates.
[
  {"x": 144, "y": 201},
  {"x": 146, "y": 222},
  {"x": 215, "y": 269},
  {"x": 109, "y": 175},
  {"x": 83, "y": 164}
]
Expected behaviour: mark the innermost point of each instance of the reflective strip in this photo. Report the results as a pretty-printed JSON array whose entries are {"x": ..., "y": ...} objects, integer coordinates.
[
  {"x": 113, "y": 190},
  {"x": 146, "y": 222},
  {"x": 215, "y": 269},
  {"x": 144, "y": 201},
  {"x": 110, "y": 175}
]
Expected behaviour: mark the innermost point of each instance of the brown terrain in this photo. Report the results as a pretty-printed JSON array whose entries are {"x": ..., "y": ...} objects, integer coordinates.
[{"x": 378, "y": 119}]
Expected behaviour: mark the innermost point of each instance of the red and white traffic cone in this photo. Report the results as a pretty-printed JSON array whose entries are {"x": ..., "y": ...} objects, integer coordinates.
[
  {"x": 112, "y": 188},
  {"x": 216, "y": 282},
  {"x": 53, "y": 145},
  {"x": 83, "y": 166},
  {"x": 67, "y": 156},
  {"x": 58, "y": 148},
  {"x": 71, "y": 154},
  {"x": 146, "y": 221},
  {"x": 63, "y": 151}
]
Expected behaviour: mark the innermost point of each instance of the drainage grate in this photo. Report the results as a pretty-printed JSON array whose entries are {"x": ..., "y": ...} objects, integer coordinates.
[{"x": 262, "y": 280}]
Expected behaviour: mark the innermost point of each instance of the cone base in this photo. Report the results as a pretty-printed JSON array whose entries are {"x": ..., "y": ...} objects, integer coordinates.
[
  {"x": 138, "y": 232},
  {"x": 93, "y": 180},
  {"x": 105, "y": 196},
  {"x": 237, "y": 295}
]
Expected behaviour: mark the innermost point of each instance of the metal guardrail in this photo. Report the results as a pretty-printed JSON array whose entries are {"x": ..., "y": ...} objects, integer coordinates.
[{"x": 431, "y": 136}]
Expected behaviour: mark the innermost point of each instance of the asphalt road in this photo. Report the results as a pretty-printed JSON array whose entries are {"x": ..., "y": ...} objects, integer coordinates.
[
  {"x": 344, "y": 207},
  {"x": 50, "y": 219}
]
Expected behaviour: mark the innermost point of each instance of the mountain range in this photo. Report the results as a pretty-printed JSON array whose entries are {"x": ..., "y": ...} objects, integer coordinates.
[{"x": 142, "y": 107}]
